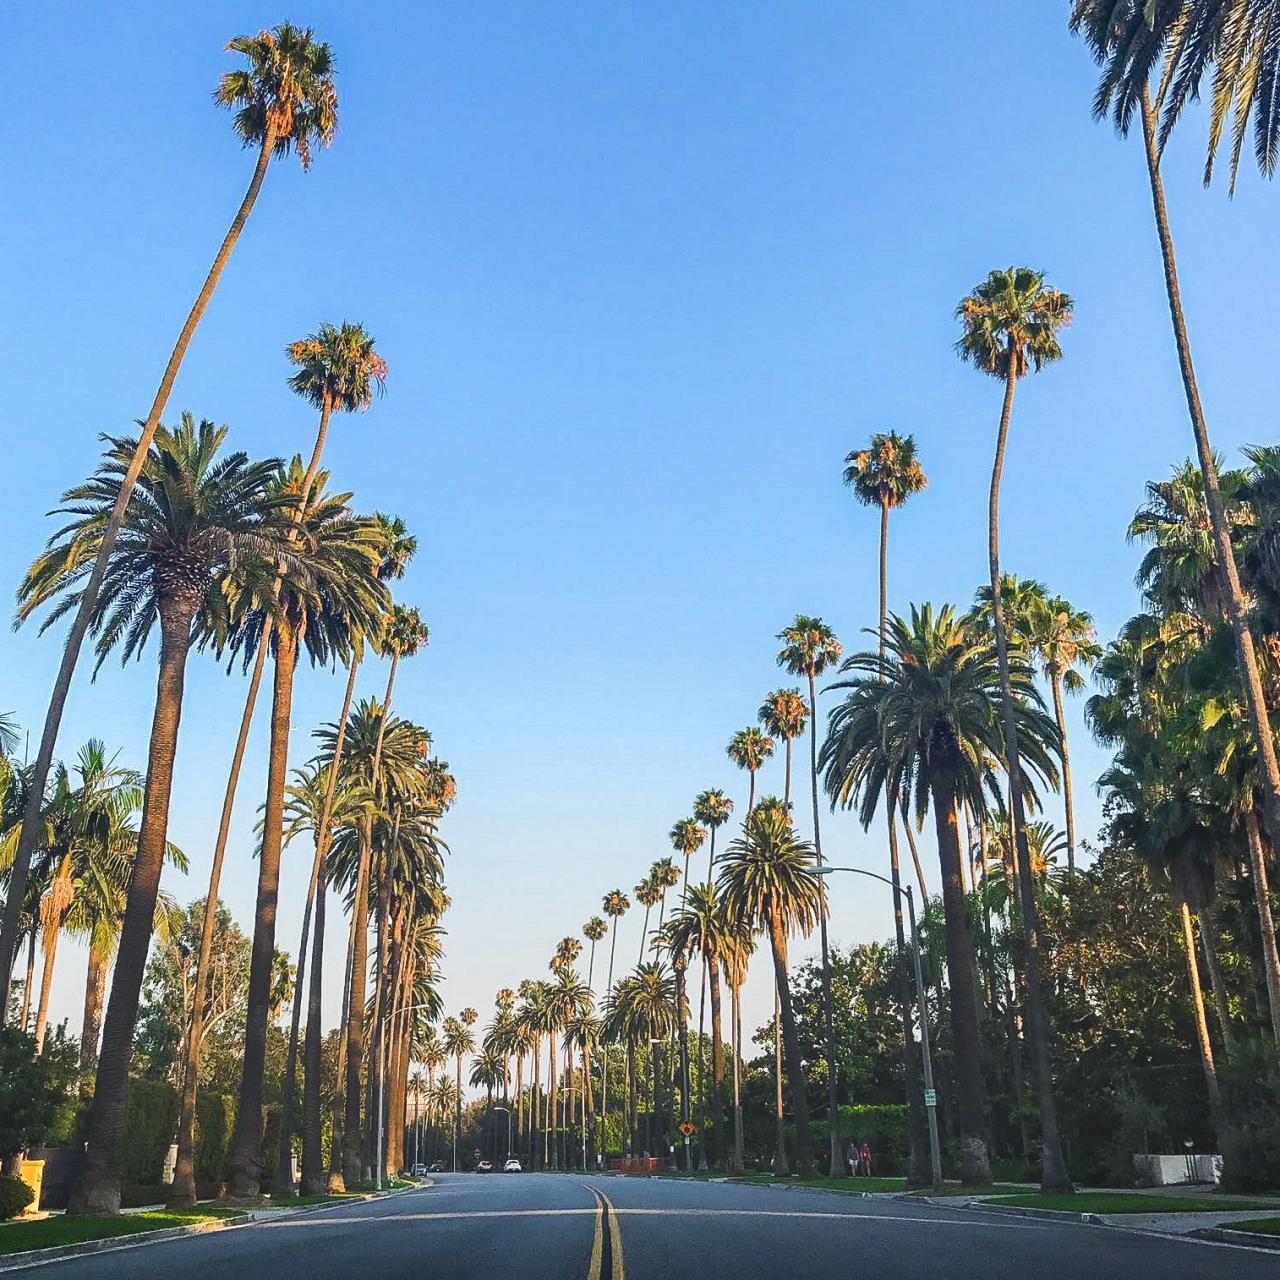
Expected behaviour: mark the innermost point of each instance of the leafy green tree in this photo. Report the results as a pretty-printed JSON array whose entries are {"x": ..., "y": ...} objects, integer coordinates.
[
  {"x": 35, "y": 1088},
  {"x": 284, "y": 99}
]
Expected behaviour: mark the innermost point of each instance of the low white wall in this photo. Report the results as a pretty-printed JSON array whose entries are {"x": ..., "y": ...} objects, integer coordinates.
[{"x": 1168, "y": 1171}]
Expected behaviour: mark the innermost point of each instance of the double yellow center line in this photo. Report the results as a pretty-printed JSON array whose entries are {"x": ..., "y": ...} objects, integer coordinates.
[{"x": 606, "y": 1244}]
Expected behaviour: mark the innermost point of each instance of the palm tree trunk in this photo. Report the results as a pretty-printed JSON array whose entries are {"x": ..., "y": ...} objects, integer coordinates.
[
  {"x": 975, "y": 1165},
  {"x": 588, "y": 1108},
  {"x": 780, "y": 1167},
  {"x": 836, "y": 1168},
  {"x": 915, "y": 858},
  {"x": 182, "y": 1191},
  {"x": 1202, "y": 1023},
  {"x": 245, "y": 1170},
  {"x": 1216, "y": 982},
  {"x": 739, "y": 1155},
  {"x": 31, "y": 977},
  {"x": 1053, "y": 1173},
  {"x": 54, "y": 910},
  {"x": 702, "y": 1065},
  {"x": 717, "y": 1065},
  {"x": 97, "y": 1189},
  {"x": 29, "y": 835},
  {"x": 352, "y": 1145},
  {"x": 1262, "y": 893},
  {"x": 533, "y": 1103},
  {"x": 786, "y": 777},
  {"x": 336, "y": 1181},
  {"x": 791, "y": 1045},
  {"x": 919, "y": 1173},
  {"x": 95, "y": 991},
  {"x": 1067, "y": 801},
  {"x": 682, "y": 1033},
  {"x": 1234, "y": 598}
]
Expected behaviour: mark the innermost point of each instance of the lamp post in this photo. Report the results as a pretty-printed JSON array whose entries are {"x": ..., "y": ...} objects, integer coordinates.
[
  {"x": 382, "y": 1076},
  {"x": 930, "y": 1096}
]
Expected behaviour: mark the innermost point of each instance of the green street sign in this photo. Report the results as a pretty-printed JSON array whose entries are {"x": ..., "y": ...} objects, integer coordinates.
[{"x": 930, "y": 1097}]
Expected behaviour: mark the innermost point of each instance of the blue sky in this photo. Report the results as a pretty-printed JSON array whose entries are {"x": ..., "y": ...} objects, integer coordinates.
[{"x": 643, "y": 278}]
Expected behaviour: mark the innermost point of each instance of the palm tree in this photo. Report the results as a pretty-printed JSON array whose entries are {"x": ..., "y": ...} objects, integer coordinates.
[
  {"x": 648, "y": 895},
  {"x": 594, "y": 930},
  {"x": 643, "y": 1010},
  {"x": 809, "y": 647},
  {"x": 190, "y": 513},
  {"x": 885, "y": 475},
  {"x": 1010, "y": 325},
  {"x": 687, "y": 837},
  {"x": 1063, "y": 639},
  {"x": 784, "y": 714},
  {"x": 749, "y": 749},
  {"x": 283, "y": 100},
  {"x": 767, "y": 883},
  {"x": 1127, "y": 39},
  {"x": 713, "y": 809},
  {"x": 921, "y": 725},
  {"x": 457, "y": 1041},
  {"x": 315, "y": 610},
  {"x": 90, "y": 842},
  {"x": 615, "y": 905},
  {"x": 582, "y": 1032}
]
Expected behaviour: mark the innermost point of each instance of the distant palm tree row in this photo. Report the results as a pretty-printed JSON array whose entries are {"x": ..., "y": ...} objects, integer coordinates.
[{"x": 249, "y": 560}]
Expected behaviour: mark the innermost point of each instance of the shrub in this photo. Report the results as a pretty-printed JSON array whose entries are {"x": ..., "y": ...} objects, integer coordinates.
[
  {"x": 1249, "y": 1137},
  {"x": 150, "y": 1126},
  {"x": 15, "y": 1195},
  {"x": 215, "y": 1122},
  {"x": 35, "y": 1091}
]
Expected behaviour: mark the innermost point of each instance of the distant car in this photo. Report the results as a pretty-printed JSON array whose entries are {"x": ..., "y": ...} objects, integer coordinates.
[
  {"x": 512, "y": 1166},
  {"x": 485, "y": 1166},
  {"x": 436, "y": 1166},
  {"x": 418, "y": 1170}
]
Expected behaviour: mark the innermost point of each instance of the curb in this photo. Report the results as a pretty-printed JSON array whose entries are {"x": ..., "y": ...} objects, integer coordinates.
[
  {"x": 1221, "y": 1235},
  {"x": 1044, "y": 1215},
  {"x": 38, "y": 1257}
]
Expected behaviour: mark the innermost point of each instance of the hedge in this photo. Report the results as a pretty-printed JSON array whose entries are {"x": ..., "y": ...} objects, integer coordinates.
[
  {"x": 215, "y": 1123},
  {"x": 884, "y": 1126},
  {"x": 150, "y": 1126}
]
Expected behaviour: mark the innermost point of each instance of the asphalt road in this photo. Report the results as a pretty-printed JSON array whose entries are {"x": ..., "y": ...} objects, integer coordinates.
[{"x": 562, "y": 1227}]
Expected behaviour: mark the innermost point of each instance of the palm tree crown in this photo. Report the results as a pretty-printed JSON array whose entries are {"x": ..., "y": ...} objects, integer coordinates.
[
  {"x": 1011, "y": 322},
  {"x": 286, "y": 92},
  {"x": 337, "y": 366},
  {"x": 887, "y": 472},
  {"x": 809, "y": 646}
]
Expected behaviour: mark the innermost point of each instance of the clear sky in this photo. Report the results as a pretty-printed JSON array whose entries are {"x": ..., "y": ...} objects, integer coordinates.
[{"x": 643, "y": 276}]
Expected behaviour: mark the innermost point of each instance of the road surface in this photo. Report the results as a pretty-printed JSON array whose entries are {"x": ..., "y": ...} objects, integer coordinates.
[{"x": 566, "y": 1227}]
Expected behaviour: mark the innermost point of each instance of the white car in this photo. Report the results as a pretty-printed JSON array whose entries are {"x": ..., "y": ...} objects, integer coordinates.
[{"x": 512, "y": 1166}]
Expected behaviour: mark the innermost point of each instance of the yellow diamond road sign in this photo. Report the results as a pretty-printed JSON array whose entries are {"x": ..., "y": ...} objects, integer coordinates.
[{"x": 688, "y": 1129}]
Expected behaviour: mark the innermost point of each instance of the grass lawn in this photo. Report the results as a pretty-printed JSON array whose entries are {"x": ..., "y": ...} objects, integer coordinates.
[
  {"x": 1127, "y": 1202},
  {"x": 1263, "y": 1226},
  {"x": 47, "y": 1233}
]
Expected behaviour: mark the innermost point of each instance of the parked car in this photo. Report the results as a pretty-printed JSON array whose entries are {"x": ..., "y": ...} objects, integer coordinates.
[
  {"x": 512, "y": 1166},
  {"x": 485, "y": 1166},
  {"x": 418, "y": 1170},
  {"x": 436, "y": 1166}
]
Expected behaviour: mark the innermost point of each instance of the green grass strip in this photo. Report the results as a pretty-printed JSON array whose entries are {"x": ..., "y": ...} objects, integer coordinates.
[
  {"x": 1127, "y": 1202},
  {"x": 49, "y": 1233}
]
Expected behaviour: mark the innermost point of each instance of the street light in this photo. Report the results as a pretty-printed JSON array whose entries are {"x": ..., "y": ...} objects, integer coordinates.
[
  {"x": 382, "y": 1077},
  {"x": 930, "y": 1096}
]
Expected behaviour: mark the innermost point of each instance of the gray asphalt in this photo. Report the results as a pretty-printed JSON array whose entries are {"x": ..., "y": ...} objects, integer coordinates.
[{"x": 545, "y": 1227}]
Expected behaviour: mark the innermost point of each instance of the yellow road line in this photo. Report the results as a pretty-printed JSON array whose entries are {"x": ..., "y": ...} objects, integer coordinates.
[
  {"x": 597, "y": 1240},
  {"x": 615, "y": 1239}
]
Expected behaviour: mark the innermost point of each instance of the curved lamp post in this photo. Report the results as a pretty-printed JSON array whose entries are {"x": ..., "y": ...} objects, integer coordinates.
[{"x": 930, "y": 1096}]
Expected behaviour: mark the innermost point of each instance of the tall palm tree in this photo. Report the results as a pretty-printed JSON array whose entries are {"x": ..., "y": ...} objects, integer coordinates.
[
  {"x": 921, "y": 725},
  {"x": 283, "y": 100},
  {"x": 615, "y": 905},
  {"x": 809, "y": 648},
  {"x": 767, "y": 883},
  {"x": 749, "y": 749},
  {"x": 687, "y": 836},
  {"x": 1063, "y": 640},
  {"x": 458, "y": 1041},
  {"x": 1127, "y": 39},
  {"x": 314, "y": 612},
  {"x": 885, "y": 475},
  {"x": 784, "y": 714},
  {"x": 1009, "y": 327},
  {"x": 190, "y": 513},
  {"x": 713, "y": 809},
  {"x": 594, "y": 930},
  {"x": 648, "y": 894}
]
